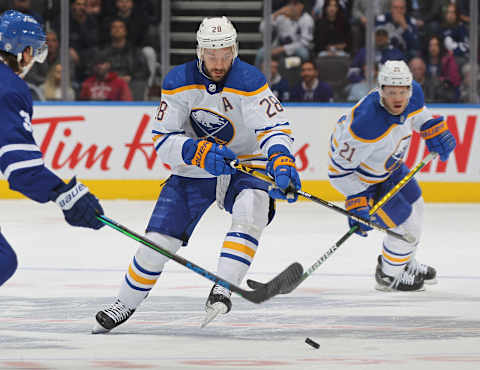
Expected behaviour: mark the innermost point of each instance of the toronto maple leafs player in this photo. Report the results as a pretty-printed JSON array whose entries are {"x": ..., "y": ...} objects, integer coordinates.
[
  {"x": 22, "y": 43},
  {"x": 367, "y": 149},
  {"x": 214, "y": 109}
]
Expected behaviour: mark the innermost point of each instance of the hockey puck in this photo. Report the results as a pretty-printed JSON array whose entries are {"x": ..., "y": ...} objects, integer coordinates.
[{"x": 312, "y": 343}]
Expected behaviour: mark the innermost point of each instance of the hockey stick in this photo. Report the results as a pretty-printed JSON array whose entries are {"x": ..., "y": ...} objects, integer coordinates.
[
  {"x": 352, "y": 230},
  {"x": 255, "y": 173},
  {"x": 262, "y": 292}
]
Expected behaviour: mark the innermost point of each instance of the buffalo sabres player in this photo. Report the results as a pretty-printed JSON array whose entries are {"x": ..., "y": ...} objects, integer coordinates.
[
  {"x": 214, "y": 109},
  {"x": 367, "y": 149},
  {"x": 22, "y": 43}
]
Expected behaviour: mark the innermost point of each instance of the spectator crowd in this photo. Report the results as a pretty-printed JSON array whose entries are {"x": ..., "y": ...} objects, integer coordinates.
[
  {"x": 112, "y": 54},
  {"x": 318, "y": 49}
]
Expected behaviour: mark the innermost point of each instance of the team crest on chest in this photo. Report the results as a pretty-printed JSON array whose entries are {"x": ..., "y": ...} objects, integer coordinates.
[{"x": 208, "y": 124}]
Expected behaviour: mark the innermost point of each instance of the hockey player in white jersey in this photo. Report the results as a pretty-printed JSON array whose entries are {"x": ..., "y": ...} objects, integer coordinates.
[
  {"x": 214, "y": 109},
  {"x": 22, "y": 43},
  {"x": 367, "y": 149}
]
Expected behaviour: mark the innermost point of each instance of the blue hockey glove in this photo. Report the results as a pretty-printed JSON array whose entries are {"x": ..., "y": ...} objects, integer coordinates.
[
  {"x": 212, "y": 157},
  {"x": 359, "y": 205},
  {"x": 79, "y": 206},
  {"x": 281, "y": 166},
  {"x": 438, "y": 137}
]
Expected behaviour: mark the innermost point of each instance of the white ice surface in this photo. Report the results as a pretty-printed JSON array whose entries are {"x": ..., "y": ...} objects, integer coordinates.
[{"x": 66, "y": 275}]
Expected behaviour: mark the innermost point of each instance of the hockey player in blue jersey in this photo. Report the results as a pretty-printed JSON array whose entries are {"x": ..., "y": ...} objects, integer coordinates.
[
  {"x": 367, "y": 149},
  {"x": 214, "y": 109},
  {"x": 22, "y": 43}
]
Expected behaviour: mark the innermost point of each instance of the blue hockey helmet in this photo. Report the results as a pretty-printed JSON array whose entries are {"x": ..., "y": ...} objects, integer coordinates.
[{"x": 19, "y": 31}]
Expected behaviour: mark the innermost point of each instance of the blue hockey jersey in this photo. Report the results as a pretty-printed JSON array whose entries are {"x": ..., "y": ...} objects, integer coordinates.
[{"x": 21, "y": 161}]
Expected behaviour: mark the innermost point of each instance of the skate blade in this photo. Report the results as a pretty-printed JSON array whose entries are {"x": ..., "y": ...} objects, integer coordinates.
[
  {"x": 431, "y": 281},
  {"x": 99, "y": 329},
  {"x": 384, "y": 288},
  {"x": 212, "y": 312}
]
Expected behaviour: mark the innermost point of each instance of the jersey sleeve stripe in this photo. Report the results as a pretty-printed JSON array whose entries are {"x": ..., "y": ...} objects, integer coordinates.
[
  {"x": 272, "y": 127},
  {"x": 338, "y": 166},
  {"x": 370, "y": 181},
  {"x": 262, "y": 144},
  {"x": 338, "y": 176},
  {"x": 262, "y": 134},
  {"x": 12, "y": 147},
  {"x": 22, "y": 164},
  {"x": 160, "y": 134},
  {"x": 366, "y": 173},
  {"x": 166, "y": 137}
]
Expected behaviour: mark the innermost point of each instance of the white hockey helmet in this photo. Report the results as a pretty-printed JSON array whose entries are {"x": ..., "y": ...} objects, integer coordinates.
[
  {"x": 216, "y": 33},
  {"x": 395, "y": 73}
]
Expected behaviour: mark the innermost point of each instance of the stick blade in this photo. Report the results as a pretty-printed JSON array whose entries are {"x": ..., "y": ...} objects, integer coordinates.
[{"x": 289, "y": 277}]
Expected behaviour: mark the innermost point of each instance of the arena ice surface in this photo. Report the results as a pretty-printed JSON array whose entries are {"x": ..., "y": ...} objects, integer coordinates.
[{"x": 67, "y": 274}]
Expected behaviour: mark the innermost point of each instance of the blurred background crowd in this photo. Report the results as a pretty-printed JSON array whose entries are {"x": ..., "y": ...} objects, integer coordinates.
[{"x": 318, "y": 51}]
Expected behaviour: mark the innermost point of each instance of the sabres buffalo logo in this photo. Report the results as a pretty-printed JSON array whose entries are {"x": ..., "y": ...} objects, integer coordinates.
[
  {"x": 208, "y": 124},
  {"x": 396, "y": 158}
]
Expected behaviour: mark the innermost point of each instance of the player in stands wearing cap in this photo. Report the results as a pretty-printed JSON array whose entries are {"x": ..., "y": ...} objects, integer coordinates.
[
  {"x": 214, "y": 109},
  {"x": 367, "y": 149},
  {"x": 22, "y": 43}
]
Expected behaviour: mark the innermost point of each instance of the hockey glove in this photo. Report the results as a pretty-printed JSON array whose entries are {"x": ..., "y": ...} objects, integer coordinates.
[
  {"x": 79, "y": 206},
  {"x": 281, "y": 166},
  {"x": 359, "y": 205},
  {"x": 438, "y": 137},
  {"x": 212, "y": 157}
]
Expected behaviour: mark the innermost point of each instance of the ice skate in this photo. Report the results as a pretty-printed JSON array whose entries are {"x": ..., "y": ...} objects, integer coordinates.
[
  {"x": 403, "y": 282},
  {"x": 218, "y": 302},
  {"x": 112, "y": 316},
  {"x": 428, "y": 273}
]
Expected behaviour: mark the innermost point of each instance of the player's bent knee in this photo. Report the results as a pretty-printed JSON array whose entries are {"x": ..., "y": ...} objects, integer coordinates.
[
  {"x": 152, "y": 259},
  {"x": 251, "y": 207}
]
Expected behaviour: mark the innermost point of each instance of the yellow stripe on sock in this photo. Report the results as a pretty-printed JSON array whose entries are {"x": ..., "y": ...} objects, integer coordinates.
[
  {"x": 239, "y": 247},
  {"x": 140, "y": 279},
  {"x": 394, "y": 259}
]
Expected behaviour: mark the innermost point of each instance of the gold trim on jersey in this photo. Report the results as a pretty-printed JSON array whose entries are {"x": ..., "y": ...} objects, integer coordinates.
[
  {"x": 263, "y": 133},
  {"x": 245, "y": 93},
  {"x": 183, "y": 88}
]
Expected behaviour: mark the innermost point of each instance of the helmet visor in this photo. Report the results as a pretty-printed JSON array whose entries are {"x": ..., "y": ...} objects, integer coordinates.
[{"x": 40, "y": 54}]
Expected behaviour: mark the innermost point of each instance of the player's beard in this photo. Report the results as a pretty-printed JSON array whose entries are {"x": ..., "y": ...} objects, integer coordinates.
[{"x": 217, "y": 75}]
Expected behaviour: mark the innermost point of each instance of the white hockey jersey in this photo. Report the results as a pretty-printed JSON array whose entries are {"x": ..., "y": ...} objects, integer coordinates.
[
  {"x": 241, "y": 112},
  {"x": 369, "y": 143}
]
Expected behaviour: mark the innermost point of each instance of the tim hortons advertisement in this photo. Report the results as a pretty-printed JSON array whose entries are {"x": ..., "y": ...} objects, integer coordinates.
[
  {"x": 113, "y": 142},
  {"x": 313, "y": 126}
]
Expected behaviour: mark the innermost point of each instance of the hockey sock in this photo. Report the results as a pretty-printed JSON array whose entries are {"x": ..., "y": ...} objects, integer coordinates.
[
  {"x": 145, "y": 269},
  {"x": 396, "y": 253},
  {"x": 238, "y": 250}
]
